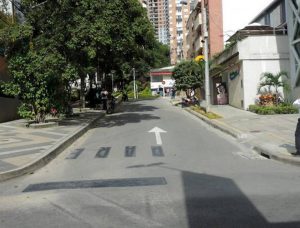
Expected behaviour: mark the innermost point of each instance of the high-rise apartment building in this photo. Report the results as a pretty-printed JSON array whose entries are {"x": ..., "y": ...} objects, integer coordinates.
[
  {"x": 169, "y": 19},
  {"x": 158, "y": 13},
  {"x": 179, "y": 11},
  {"x": 214, "y": 18}
]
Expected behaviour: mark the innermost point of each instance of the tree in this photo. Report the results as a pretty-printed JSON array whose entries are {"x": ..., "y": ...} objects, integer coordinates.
[
  {"x": 51, "y": 49},
  {"x": 38, "y": 63},
  {"x": 271, "y": 81},
  {"x": 189, "y": 75}
]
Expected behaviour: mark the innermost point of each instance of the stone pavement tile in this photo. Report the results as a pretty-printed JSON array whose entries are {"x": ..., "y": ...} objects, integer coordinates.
[
  {"x": 22, "y": 152},
  {"x": 20, "y": 160},
  {"x": 25, "y": 147},
  {"x": 20, "y": 145},
  {"x": 6, "y": 166}
]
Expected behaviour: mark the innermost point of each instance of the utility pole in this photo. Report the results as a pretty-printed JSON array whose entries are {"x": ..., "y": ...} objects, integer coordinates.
[
  {"x": 134, "y": 88},
  {"x": 205, "y": 34}
]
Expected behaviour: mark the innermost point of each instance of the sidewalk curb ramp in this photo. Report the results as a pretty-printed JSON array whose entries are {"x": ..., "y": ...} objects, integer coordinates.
[{"x": 50, "y": 154}]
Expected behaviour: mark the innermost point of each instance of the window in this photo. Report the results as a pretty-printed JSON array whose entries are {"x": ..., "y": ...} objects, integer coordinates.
[
  {"x": 267, "y": 19},
  {"x": 157, "y": 78}
]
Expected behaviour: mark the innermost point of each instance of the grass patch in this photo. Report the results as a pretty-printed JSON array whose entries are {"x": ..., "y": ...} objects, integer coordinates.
[{"x": 203, "y": 112}]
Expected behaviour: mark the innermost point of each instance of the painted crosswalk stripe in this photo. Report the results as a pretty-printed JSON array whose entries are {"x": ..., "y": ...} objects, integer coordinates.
[
  {"x": 130, "y": 151},
  {"x": 75, "y": 154},
  {"x": 157, "y": 151},
  {"x": 103, "y": 152}
]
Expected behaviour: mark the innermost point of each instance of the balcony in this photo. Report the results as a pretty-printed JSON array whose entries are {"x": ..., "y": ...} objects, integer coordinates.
[
  {"x": 198, "y": 22},
  {"x": 198, "y": 44}
]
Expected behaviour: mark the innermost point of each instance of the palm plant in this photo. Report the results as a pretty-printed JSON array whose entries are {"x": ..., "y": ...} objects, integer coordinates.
[{"x": 275, "y": 81}]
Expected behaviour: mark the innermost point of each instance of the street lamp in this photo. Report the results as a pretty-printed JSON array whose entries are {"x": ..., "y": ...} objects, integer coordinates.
[
  {"x": 134, "y": 88},
  {"x": 112, "y": 81}
]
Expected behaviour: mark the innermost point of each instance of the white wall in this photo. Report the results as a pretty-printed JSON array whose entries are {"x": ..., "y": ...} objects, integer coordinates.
[
  {"x": 236, "y": 92},
  {"x": 261, "y": 54},
  {"x": 169, "y": 82},
  {"x": 264, "y": 47},
  {"x": 253, "y": 70}
]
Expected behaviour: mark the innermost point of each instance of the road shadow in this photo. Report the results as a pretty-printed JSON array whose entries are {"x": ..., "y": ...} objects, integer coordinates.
[
  {"x": 213, "y": 201},
  {"x": 78, "y": 119},
  {"x": 134, "y": 106},
  {"x": 121, "y": 119}
]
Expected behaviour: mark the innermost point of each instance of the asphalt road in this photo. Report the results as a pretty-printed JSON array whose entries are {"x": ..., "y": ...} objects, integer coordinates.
[{"x": 121, "y": 175}]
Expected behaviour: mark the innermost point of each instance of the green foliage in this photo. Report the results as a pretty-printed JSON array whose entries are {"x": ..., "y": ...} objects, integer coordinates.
[
  {"x": 189, "y": 75},
  {"x": 25, "y": 111},
  {"x": 284, "y": 108},
  {"x": 50, "y": 50},
  {"x": 269, "y": 81}
]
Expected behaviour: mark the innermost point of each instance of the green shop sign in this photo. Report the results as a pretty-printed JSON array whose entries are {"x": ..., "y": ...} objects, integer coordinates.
[{"x": 234, "y": 74}]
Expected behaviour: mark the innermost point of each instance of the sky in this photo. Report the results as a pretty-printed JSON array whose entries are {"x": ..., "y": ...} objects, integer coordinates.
[{"x": 238, "y": 13}]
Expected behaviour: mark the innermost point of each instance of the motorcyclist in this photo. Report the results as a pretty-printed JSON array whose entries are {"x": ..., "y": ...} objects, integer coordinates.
[{"x": 110, "y": 103}]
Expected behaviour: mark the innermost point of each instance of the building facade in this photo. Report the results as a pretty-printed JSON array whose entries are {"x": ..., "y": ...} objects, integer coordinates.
[
  {"x": 162, "y": 81},
  {"x": 179, "y": 11},
  {"x": 195, "y": 33},
  {"x": 293, "y": 20},
  {"x": 285, "y": 15},
  {"x": 256, "y": 49},
  {"x": 169, "y": 18},
  {"x": 158, "y": 13}
]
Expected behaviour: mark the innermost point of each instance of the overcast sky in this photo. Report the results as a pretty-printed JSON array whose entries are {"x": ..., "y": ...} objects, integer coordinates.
[{"x": 238, "y": 13}]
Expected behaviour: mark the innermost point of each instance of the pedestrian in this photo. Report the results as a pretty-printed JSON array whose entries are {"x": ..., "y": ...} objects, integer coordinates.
[
  {"x": 297, "y": 132},
  {"x": 104, "y": 94},
  {"x": 173, "y": 93}
]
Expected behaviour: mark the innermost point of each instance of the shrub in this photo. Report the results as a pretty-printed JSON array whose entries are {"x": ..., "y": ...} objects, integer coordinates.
[{"x": 284, "y": 108}]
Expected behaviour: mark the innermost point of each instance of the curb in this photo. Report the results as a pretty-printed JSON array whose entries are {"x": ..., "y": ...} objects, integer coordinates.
[
  {"x": 282, "y": 158},
  {"x": 221, "y": 126},
  {"x": 240, "y": 135},
  {"x": 50, "y": 154}
]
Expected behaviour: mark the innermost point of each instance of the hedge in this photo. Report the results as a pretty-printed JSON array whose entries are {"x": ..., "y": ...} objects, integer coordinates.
[{"x": 271, "y": 110}]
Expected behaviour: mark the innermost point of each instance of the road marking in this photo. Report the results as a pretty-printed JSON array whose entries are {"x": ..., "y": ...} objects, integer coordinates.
[
  {"x": 130, "y": 151},
  {"x": 157, "y": 132},
  {"x": 157, "y": 151},
  {"x": 103, "y": 152},
  {"x": 75, "y": 154},
  {"x": 126, "y": 182}
]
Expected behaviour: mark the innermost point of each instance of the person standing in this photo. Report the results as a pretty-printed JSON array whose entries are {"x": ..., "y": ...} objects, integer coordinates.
[{"x": 297, "y": 132}]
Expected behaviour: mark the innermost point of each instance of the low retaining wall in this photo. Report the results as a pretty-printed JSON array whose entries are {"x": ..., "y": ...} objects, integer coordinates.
[{"x": 8, "y": 109}]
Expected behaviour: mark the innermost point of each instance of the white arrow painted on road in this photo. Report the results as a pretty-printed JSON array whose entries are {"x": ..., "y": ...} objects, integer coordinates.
[{"x": 157, "y": 132}]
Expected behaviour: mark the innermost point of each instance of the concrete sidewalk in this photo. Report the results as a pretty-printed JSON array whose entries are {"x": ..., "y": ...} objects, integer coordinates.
[
  {"x": 270, "y": 135},
  {"x": 23, "y": 149}
]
